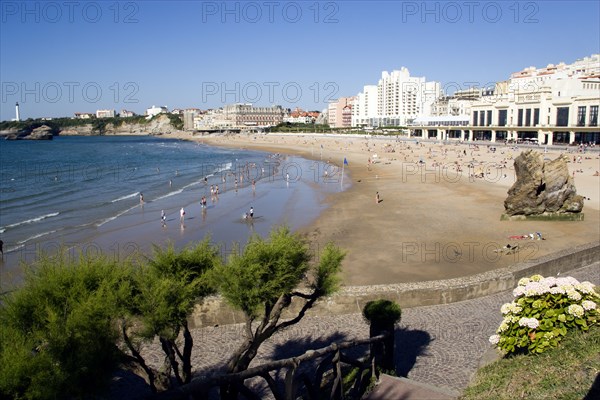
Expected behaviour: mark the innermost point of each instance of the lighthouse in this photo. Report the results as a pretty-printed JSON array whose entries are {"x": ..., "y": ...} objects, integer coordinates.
[{"x": 18, "y": 116}]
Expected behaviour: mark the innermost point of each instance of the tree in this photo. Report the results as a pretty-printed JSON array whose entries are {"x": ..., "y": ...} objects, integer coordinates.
[
  {"x": 264, "y": 280},
  {"x": 58, "y": 339},
  {"x": 166, "y": 290}
]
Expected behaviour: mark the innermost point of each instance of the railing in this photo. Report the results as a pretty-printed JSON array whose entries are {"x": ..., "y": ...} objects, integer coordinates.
[{"x": 310, "y": 384}]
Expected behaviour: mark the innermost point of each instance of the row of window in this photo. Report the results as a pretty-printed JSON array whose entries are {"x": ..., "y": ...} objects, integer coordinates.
[{"x": 531, "y": 117}]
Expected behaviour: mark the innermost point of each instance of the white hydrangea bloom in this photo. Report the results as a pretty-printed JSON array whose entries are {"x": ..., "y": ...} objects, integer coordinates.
[
  {"x": 576, "y": 310},
  {"x": 519, "y": 291},
  {"x": 574, "y": 295},
  {"x": 537, "y": 278},
  {"x": 557, "y": 290},
  {"x": 494, "y": 339},
  {"x": 588, "y": 305},
  {"x": 524, "y": 281},
  {"x": 529, "y": 322},
  {"x": 585, "y": 287}
]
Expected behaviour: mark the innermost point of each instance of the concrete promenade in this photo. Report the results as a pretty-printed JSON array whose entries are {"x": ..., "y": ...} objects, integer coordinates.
[{"x": 439, "y": 345}]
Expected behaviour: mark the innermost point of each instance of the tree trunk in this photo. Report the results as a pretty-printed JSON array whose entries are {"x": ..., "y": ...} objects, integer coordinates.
[
  {"x": 167, "y": 347},
  {"x": 187, "y": 354}
]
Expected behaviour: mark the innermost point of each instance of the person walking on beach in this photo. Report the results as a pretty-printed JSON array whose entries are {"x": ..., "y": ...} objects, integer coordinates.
[
  {"x": 163, "y": 218},
  {"x": 251, "y": 213},
  {"x": 2, "y": 248},
  {"x": 181, "y": 215},
  {"x": 141, "y": 198},
  {"x": 377, "y": 198}
]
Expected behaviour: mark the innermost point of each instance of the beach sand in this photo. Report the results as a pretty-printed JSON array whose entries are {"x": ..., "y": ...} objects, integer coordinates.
[{"x": 432, "y": 222}]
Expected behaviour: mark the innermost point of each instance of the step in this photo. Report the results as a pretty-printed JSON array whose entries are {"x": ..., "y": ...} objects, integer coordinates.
[{"x": 395, "y": 388}]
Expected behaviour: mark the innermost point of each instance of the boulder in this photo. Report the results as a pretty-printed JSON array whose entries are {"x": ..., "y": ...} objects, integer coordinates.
[
  {"x": 43, "y": 132},
  {"x": 542, "y": 187}
]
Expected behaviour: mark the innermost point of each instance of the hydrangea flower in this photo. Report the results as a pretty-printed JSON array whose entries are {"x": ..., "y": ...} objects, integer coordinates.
[
  {"x": 537, "y": 278},
  {"x": 574, "y": 295},
  {"x": 557, "y": 290},
  {"x": 576, "y": 310},
  {"x": 529, "y": 322},
  {"x": 588, "y": 305},
  {"x": 524, "y": 281},
  {"x": 494, "y": 339},
  {"x": 585, "y": 287}
]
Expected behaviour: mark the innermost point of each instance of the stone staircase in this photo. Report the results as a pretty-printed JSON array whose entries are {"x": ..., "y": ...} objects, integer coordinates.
[{"x": 398, "y": 388}]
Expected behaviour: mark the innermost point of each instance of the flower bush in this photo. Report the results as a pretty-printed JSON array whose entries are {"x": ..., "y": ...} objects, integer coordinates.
[{"x": 543, "y": 311}]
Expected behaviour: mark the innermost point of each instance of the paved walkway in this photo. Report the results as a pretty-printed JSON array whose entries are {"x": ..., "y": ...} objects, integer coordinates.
[{"x": 438, "y": 345}]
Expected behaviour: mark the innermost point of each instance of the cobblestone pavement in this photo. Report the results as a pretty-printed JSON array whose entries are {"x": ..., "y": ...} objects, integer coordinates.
[{"x": 439, "y": 345}]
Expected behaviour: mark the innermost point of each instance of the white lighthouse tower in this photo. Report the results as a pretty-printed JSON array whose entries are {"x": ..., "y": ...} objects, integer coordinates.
[{"x": 18, "y": 116}]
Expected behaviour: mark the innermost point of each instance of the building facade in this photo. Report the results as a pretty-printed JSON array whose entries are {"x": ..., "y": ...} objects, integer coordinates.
[
  {"x": 339, "y": 112},
  {"x": 246, "y": 115},
  {"x": 105, "y": 113}
]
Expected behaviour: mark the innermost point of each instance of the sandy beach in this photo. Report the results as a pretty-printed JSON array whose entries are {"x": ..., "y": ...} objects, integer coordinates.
[{"x": 433, "y": 220}]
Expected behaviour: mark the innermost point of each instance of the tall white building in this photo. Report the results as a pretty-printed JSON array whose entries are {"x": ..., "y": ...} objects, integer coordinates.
[
  {"x": 401, "y": 98},
  {"x": 364, "y": 111}
]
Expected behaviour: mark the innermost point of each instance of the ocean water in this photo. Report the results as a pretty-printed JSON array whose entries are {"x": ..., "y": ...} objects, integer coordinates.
[{"x": 89, "y": 187}]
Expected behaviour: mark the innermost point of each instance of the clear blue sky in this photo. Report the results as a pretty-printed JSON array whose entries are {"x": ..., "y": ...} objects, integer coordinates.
[{"x": 57, "y": 58}]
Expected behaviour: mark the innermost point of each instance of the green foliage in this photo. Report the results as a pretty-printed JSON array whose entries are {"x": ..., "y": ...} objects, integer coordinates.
[
  {"x": 58, "y": 332},
  {"x": 264, "y": 271},
  {"x": 168, "y": 287},
  {"x": 544, "y": 311},
  {"x": 382, "y": 312},
  {"x": 176, "y": 121},
  {"x": 326, "y": 275},
  {"x": 565, "y": 372}
]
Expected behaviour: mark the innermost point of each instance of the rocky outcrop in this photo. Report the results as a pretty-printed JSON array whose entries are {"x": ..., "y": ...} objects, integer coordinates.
[
  {"x": 43, "y": 132},
  {"x": 156, "y": 126},
  {"x": 542, "y": 187}
]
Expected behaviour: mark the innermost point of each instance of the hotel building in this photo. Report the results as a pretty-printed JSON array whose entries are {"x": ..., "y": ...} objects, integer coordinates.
[{"x": 557, "y": 104}]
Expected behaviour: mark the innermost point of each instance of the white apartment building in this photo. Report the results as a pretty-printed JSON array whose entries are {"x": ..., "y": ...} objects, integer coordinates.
[
  {"x": 364, "y": 110},
  {"x": 401, "y": 98},
  {"x": 105, "y": 113}
]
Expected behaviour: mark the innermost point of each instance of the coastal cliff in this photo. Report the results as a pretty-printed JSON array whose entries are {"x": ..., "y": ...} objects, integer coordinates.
[{"x": 38, "y": 130}]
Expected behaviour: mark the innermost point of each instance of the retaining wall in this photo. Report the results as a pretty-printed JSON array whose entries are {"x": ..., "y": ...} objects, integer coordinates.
[{"x": 351, "y": 299}]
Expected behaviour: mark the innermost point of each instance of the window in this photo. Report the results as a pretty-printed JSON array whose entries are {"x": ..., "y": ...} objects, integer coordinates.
[
  {"x": 502, "y": 117},
  {"x": 528, "y": 117},
  {"x": 593, "y": 115},
  {"x": 475, "y": 113},
  {"x": 536, "y": 116},
  {"x": 581, "y": 115},
  {"x": 481, "y": 118},
  {"x": 489, "y": 117},
  {"x": 520, "y": 117},
  {"x": 562, "y": 116}
]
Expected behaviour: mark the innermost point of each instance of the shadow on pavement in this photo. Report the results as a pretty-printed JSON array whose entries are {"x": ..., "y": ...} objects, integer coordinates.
[{"x": 409, "y": 344}]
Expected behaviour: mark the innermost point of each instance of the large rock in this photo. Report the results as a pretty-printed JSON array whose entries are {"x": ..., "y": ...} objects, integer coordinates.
[
  {"x": 542, "y": 187},
  {"x": 43, "y": 132}
]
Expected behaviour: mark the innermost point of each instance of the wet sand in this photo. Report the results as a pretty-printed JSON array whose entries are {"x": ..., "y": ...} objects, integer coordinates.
[{"x": 432, "y": 222}]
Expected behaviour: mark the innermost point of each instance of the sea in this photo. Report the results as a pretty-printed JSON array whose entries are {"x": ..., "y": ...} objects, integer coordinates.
[{"x": 92, "y": 186}]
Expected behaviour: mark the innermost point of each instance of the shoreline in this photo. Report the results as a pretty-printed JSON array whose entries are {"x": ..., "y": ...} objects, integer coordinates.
[{"x": 432, "y": 223}]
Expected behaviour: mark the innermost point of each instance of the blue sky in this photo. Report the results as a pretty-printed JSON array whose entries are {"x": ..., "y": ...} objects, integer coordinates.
[{"x": 57, "y": 58}]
